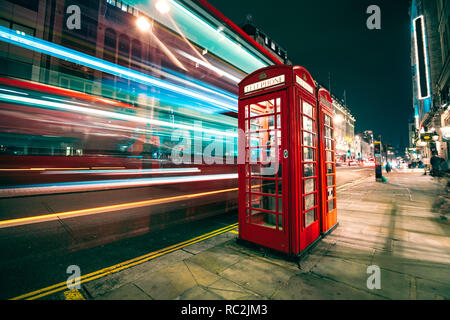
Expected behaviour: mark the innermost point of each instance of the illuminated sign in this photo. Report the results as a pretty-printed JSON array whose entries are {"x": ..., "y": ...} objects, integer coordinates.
[
  {"x": 426, "y": 137},
  {"x": 264, "y": 84},
  {"x": 422, "y": 76},
  {"x": 304, "y": 84}
]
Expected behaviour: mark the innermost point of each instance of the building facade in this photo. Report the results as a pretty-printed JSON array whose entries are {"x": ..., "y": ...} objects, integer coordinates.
[
  {"x": 344, "y": 124},
  {"x": 430, "y": 63}
]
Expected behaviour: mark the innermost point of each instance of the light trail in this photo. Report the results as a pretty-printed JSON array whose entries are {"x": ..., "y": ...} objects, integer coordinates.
[
  {"x": 85, "y": 186},
  {"x": 42, "y": 46},
  {"x": 127, "y": 171},
  {"x": 210, "y": 66},
  {"x": 104, "y": 209},
  {"x": 108, "y": 114}
]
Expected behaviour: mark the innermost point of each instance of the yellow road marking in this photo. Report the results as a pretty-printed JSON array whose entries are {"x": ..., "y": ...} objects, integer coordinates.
[
  {"x": 73, "y": 294},
  {"x": 115, "y": 207},
  {"x": 121, "y": 266},
  {"x": 234, "y": 231}
]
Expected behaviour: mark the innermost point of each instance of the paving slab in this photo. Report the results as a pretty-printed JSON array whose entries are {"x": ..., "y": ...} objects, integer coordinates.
[
  {"x": 167, "y": 283},
  {"x": 126, "y": 292},
  {"x": 198, "y": 293},
  {"x": 216, "y": 259},
  {"x": 305, "y": 287},
  {"x": 259, "y": 276},
  {"x": 229, "y": 290}
]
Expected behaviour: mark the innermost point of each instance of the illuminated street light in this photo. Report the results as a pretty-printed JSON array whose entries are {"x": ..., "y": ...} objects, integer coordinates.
[
  {"x": 143, "y": 23},
  {"x": 162, "y": 6},
  {"x": 338, "y": 119}
]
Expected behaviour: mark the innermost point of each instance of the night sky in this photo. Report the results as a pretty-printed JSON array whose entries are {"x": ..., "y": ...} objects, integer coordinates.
[{"x": 330, "y": 36}]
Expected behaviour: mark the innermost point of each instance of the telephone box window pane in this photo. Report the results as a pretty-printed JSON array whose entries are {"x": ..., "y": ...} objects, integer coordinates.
[
  {"x": 263, "y": 219},
  {"x": 307, "y": 109},
  {"x": 327, "y": 120},
  {"x": 307, "y": 124},
  {"x": 280, "y": 205},
  {"x": 329, "y": 144},
  {"x": 268, "y": 186},
  {"x": 308, "y": 139},
  {"x": 271, "y": 170},
  {"x": 330, "y": 156},
  {"x": 309, "y": 170},
  {"x": 255, "y": 169},
  {"x": 252, "y": 140},
  {"x": 256, "y": 185},
  {"x": 330, "y": 181},
  {"x": 328, "y": 132},
  {"x": 330, "y": 205},
  {"x": 262, "y": 107},
  {"x": 262, "y": 123},
  {"x": 309, "y": 202},
  {"x": 280, "y": 187},
  {"x": 264, "y": 138},
  {"x": 278, "y": 121},
  {"x": 251, "y": 200},
  {"x": 254, "y": 155},
  {"x": 330, "y": 193},
  {"x": 310, "y": 217},
  {"x": 329, "y": 168},
  {"x": 308, "y": 154},
  {"x": 265, "y": 202},
  {"x": 309, "y": 186},
  {"x": 246, "y": 111},
  {"x": 280, "y": 222}
]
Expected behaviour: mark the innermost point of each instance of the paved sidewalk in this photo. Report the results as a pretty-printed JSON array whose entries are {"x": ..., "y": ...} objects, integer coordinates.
[{"x": 396, "y": 226}]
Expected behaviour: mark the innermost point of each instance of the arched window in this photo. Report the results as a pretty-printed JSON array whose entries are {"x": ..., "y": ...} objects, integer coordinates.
[
  {"x": 110, "y": 43},
  {"x": 124, "y": 51},
  {"x": 136, "y": 54}
]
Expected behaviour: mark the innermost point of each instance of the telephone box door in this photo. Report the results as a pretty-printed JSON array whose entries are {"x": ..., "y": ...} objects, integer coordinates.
[
  {"x": 307, "y": 165},
  {"x": 264, "y": 172},
  {"x": 327, "y": 161}
]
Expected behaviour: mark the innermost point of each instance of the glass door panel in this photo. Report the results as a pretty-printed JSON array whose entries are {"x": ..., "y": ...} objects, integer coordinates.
[{"x": 263, "y": 142}]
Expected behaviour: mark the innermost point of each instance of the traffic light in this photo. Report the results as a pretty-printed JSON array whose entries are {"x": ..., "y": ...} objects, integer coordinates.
[{"x": 377, "y": 147}]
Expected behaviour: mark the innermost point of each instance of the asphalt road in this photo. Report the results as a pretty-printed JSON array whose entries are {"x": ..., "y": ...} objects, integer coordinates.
[{"x": 37, "y": 255}]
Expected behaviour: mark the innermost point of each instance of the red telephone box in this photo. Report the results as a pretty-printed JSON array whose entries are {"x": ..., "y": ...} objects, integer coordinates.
[
  {"x": 327, "y": 154},
  {"x": 279, "y": 200}
]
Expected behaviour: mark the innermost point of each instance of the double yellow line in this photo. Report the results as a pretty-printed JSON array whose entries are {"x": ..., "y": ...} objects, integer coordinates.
[{"x": 121, "y": 266}]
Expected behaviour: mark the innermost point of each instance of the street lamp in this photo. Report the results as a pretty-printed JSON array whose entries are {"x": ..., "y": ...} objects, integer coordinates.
[
  {"x": 143, "y": 23},
  {"x": 162, "y": 6},
  {"x": 338, "y": 118}
]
